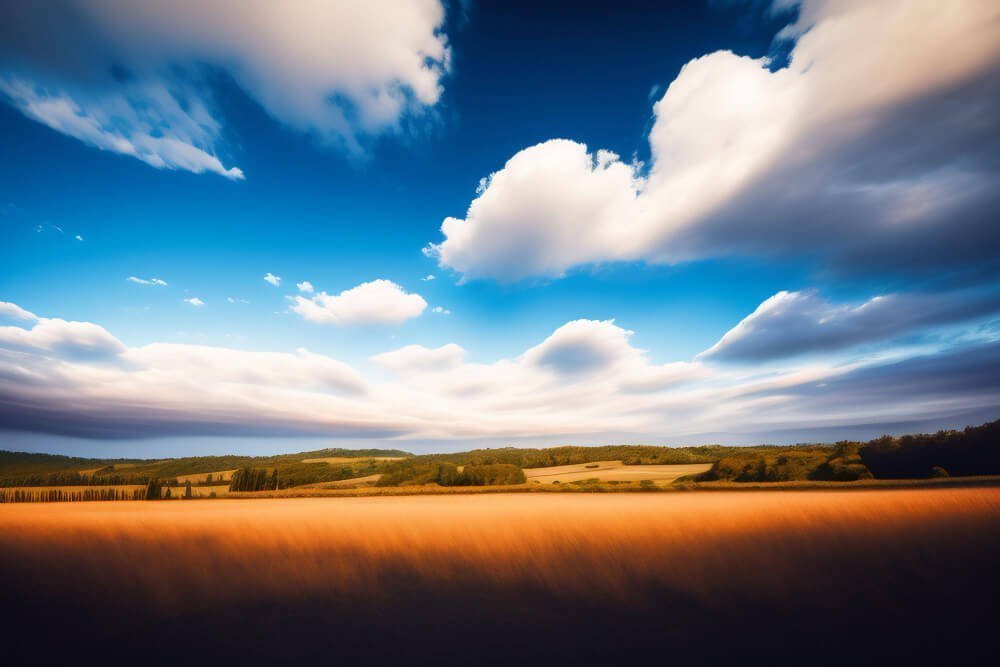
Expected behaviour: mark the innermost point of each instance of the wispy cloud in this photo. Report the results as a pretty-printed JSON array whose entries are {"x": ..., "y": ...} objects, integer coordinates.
[
  {"x": 194, "y": 301},
  {"x": 143, "y": 281},
  {"x": 273, "y": 279},
  {"x": 305, "y": 287},
  {"x": 129, "y": 78}
]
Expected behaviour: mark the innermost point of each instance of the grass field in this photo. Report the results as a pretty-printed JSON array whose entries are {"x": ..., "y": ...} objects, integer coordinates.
[
  {"x": 851, "y": 577},
  {"x": 218, "y": 476},
  {"x": 613, "y": 471}
]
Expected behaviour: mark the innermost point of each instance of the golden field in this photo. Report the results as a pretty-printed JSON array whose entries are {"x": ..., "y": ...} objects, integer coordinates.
[
  {"x": 547, "y": 575},
  {"x": 613, "y": 471}
]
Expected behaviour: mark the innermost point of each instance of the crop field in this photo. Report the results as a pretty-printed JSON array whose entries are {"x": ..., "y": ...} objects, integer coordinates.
[
  {"x": 613, "y": 471},
  {"x": 201, "y": 477},
  {"x": 811, "y": 575}
]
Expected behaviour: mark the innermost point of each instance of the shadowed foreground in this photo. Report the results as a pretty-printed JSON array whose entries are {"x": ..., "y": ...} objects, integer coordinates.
[{"x": 812, "y": 577}]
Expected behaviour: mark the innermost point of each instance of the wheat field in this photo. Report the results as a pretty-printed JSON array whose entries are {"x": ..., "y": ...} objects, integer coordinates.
[{"x": 545, "y": 575}]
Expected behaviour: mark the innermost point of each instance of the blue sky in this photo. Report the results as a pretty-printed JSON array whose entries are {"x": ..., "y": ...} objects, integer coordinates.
[{"x": 714, "y": 157}]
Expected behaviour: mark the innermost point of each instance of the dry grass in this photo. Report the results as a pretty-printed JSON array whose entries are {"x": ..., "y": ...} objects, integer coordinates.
[
  {"x": 200, "y": 491},
  {"x": 353, "y": 482},
  {"x": 811, "y": 574},
  {"x": 613, "y": 471},
  {"x": 197, "y": 478}
]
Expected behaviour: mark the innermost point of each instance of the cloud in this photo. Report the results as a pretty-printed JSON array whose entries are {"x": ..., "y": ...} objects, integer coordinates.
[
  {"x": 231, "y": 299},
  {"x": 429, "y": 277},
  {"x": 868, "y": 151},
  {"x": 14, "y": 311},
  {"x": 78, "y": 237},
  {"x": 793, "y": 323},
  {"x": 132, "y": 78},
  {"x": 71, "y": 340},
  {"x": 419, "y": 358},
  {"x": 195, "y": 301},
  {"x": 305, "y": 287},
  {"x": 586, "y": 382},
  {"x": 584, "y": 346},
  {"x": 273, "y": 279},
  {"x": 375, "y": 302},
  {"x": 440, "y": 310},
  {"x": 152, "y": 281}
]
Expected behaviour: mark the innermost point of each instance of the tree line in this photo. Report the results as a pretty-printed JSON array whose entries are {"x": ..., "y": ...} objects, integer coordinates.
[{"x": 412, "y": 473}]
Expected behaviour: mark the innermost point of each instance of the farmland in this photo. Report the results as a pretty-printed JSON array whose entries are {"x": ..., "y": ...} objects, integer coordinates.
[
  {"x": 614, "y": 471},
  {"x": 549, "y": 575}
]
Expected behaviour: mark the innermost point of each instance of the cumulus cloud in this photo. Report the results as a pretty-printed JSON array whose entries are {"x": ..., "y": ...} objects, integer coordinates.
[
  {"x": 584, "y": 381},
  {"x": 151, "y": 281},
  {"x": 793, "y": 323},
  {"x": 14, "y": 311},
  {"x": 440, "y": 310},
  {"x": 131, "y": 78},
  {"x": 273, "y": 279},
  {"x": 305, "y": 287},
  {"x": 420, "y": 358},
  {"x": 194, "y": 301},
  {"x": 376, "y": 302},
  {"x": 429, "y": 277},
  {"x": 868, "y": 146}
]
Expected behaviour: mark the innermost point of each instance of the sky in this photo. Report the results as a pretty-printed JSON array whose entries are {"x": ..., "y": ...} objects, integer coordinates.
[{"x": 255, "y": 227}]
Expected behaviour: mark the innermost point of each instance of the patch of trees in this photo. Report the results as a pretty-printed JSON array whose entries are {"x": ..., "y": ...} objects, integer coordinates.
[
  {"x": 786, "y": 464},
  {"x": 413, "y": 473},
  {"x": 972, "y": 451},
  {"x": 572, "y": 455},
  {"x": 73, "y": 478},
  {"x": 69, "y": 495},
  {"x": 254, "y": 479}
]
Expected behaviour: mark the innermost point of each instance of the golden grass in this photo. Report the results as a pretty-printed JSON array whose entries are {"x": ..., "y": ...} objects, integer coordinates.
[
  {"x": 562, "y": 542},
  {"x": 353, "y": 482},
  {"x": 196, "y": 478},
  {"x": 613, "y": 471},
  {"x": 200, "y": 491}
]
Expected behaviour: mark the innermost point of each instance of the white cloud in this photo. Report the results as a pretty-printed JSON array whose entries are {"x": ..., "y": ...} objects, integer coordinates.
[
  {"x": 867, "y": 141},
  {"x": 429, "y": 277},
  {"x": 792, "y": 323},
  {"x": 231, "y": 299},
  {"x": 585, "y": 381},
  {"x": 129, "y": 77},
  {"x": 273, "y": 279},
  {"x": 419, "y": 358},
  {"x": 194, "y": 301},
  {"x": 78, "y": 237},
  {"x": 375, "y": 302},
  {"x": 305, "y": 287},
  {"x": 151, "y": 281},
  {"x": 440, "y": 310},
  {"x": 14, "y": 311}
]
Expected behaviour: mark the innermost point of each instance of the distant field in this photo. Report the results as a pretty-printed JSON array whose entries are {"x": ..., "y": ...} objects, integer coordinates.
[
  {"x": 220, "y": 476},
  {"x": 334, "y": 460},
  {"x": 367, "y": 480},
  {"x": 613, "y": 471},
  {"x": 199, "y": 491}
]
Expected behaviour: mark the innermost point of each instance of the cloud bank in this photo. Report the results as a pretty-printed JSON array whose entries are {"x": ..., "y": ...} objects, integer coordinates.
[
  {"x": 586, "y": 380},
  {"x": 133, "y": 77},
  {"x": 868, "y": 147}
]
